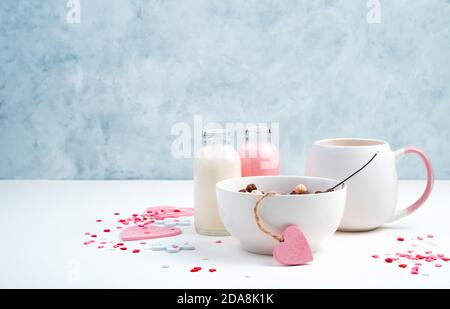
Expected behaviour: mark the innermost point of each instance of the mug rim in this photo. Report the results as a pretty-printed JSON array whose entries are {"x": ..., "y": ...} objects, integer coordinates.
[{"x": 370, "y": 142}]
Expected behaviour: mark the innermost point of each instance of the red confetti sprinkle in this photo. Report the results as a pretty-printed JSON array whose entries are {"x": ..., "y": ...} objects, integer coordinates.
[
  {"x": 212, "y": 270},
  {"x": 400, "y": 239},
  {"x": 218, "y": 241},
  {"x": 86, "y": 243},
  {"x": 107, "y": 230},
  {"x": 375, "y": 256},
  {"x": 445, "y": 259},
  {"x": 176, "y": 210},
  {"x": 103, "y": 243},
  {"x": 388, "y": 260},
  {"x": 123, "y": 248},
  {"x": 98, "y": 220},
  {"x": 402, "y": 265},
  {"x": 135, "y": 215},
  {"x": 120, "y": 243},
  {"x": 93, "y": 235},
  {"x": 136, "y": 251},
  {"x": 116, "y": 213}
]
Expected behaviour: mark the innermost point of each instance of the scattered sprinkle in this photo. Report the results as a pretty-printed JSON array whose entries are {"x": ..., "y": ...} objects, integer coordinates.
[
  {"x": 93, "y": 235},
  {"x": 400, "y": 239},
  {"x": 107, "y": 230},
  {"x": 136, "y": 251},
  {"x": 116, "y": 213},
  {"x": 123, "y": 248},
  {"x": 437, "y": 265},
  {"x": 430, "y": 236},
  {"x": 99, "y": 220},
  {"x": 218, "y": 241},
  {"x": 375, "y": 256},
  {"x": 212, "y": 270},
  {"x": 388, "y": 260},
  {"x": 402, "y": 265}
]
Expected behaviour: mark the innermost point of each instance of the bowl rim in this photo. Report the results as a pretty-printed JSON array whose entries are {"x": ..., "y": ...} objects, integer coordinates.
[{"x": 343, "y": 187}]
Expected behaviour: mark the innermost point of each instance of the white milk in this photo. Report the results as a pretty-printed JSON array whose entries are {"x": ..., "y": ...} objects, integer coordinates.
[{"x": 215, "y": 161}]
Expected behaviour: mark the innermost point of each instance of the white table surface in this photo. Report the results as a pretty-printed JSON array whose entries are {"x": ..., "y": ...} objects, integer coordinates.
[{"x": 43, "y": 224}]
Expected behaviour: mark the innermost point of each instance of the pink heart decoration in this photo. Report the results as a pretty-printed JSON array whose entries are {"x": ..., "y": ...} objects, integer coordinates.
[
  {"x": 148, "y": 232},
  {"x": 294, "y": 250}
]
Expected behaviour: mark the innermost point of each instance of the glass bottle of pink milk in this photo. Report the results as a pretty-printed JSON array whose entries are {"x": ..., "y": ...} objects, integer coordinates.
[
  {"x": 216, "y": 160},
  {"x": 259, "y": 156}
]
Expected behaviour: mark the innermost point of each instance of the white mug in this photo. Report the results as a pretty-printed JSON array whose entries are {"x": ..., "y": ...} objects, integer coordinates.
[{"x": 372, "y": 193}]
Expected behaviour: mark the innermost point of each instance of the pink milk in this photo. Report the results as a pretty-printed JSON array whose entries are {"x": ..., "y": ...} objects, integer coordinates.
[{"x": 259, "y": 157}]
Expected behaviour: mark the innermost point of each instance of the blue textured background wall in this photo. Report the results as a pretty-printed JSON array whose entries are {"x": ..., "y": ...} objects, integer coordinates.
[{"x": 98, "y": 99}]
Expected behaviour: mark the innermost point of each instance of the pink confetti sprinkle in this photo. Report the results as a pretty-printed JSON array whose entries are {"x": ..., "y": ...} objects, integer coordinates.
[
  {"x": 195, "y": 269},
  {"x": 441, "y": 255},
  {"x": 419, "y": 238},
  {"x": 430, "y": 236},
  {"x": 86, "y": 243},
  {"x": 218, "y": 241},
  {"x": 414, "y": 245},
  {"x": 418, "y": 264},
  {"x": 410, "y": 251},
  {"x": 119, "y": 227},
  {"x": 107, "y": 230},
  {"x": 99, "y": 220},
  {"x": 143, "y": 243},
  {"x": 428, "y": 252},
  {"x": 136, "y": 251},
  {"x": 101, "y": 247},
  {"x": 87, "y": 233},
  {"x": 437, "y": 265},
  {"x": 400, "y": 239},
  {"x": 103, "y": 243},
  {"x": 116, "y": 246},
  {"x": 375, "y": 256}
]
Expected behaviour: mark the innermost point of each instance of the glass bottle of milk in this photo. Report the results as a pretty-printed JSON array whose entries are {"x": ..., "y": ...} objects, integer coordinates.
[
  {"x": 259, "y": 157},
  {"x": 216, "y": 160}
]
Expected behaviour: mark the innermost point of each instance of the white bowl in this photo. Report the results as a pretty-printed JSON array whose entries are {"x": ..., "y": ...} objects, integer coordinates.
[{"x": 317, "y": 215}]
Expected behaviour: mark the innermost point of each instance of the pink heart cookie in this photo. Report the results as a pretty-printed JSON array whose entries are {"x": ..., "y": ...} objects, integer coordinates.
[
  {"x": 148, "y": 232},
  {"x": 294, "y": 249}
]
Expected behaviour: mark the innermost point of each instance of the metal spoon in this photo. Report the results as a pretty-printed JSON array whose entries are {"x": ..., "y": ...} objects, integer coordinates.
[{"x": 360, "y": 169}]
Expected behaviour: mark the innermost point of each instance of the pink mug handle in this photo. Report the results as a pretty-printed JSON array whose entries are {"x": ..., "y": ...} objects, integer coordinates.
[{"x": 430, "y": 181}]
